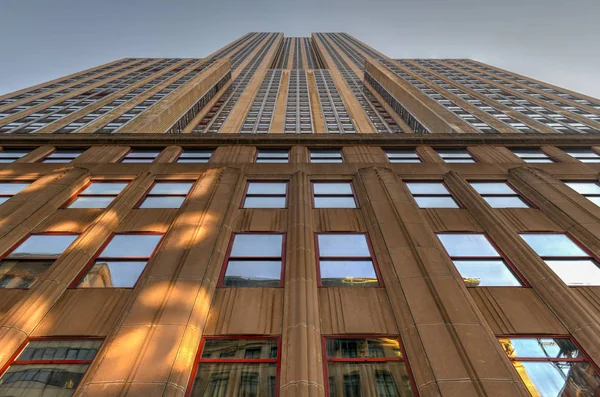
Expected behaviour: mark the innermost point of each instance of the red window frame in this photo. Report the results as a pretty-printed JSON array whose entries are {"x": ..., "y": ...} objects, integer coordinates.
[
  {"x": 228, "y": 257},
  {"x": 78, "y": 193},
  {"x": 74, "y": 284},
  {"x": 150, "y": 194},
  {"x": 183, "y": 150},
  {"x": 14, "y": 181},
  {"x": 406, "y": 149},
  {"x": 511, "y": 187},
  {"x": 285, "y": 195},
  {"x": 266, "y": 150},
  {"x": 341, "y": 157},
  {"x": 372, "y": 258},
  {"x": 359, "y": 360},
  {"x": 133, "y": 150},
  {"x": 198, "y": 360},
  {"x": 465, "y": 149},
  {"x": 585, "y": 358},
  {"x": 314, "y": 195},
  {"x": 501, "y": 256},
  {"x": 450, "y": 194}
]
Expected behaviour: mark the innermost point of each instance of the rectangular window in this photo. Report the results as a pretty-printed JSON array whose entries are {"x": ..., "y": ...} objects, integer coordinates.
[
  {"x": 21, "y": 266},
  {"x": 333, "y": 195},
  {"x": 254, "y": 260},
  {"x": 141, "y": 156},
  {"x": 9, "y": 189},
  {"x": 326, "y": 156},
  {"x": 49, "y": 367},
  {"x": 585, "y": 155},
  {"x": 266, "y": 195},
  {"x": 477, "y": 261},
  {"x": 97, "y": 195},
  {"x": 402, "y": 156},
  {"x": 63, "y": 155},
  {"x": 195, "y": 156},
  {"x": 590, "y": 190},
  {"x": 499, "y": 195},
  {"x": 166, "y": 195},
  {"x": 120, "y": 263},
  {"x": 236, "y": 367},
  {"x": 532, "y": 155},
  {"x": 273, "y": 156},
  {"x": 366, "y": 366},
  {"x": 431, "y": 195},
  {"x": 552, "y": 366},
  {"x": 346, "y": 260},
  {"x": 569, "y": 261},
  {"x": 456, "y": 155},
  {"x": 12, "y": 155}
]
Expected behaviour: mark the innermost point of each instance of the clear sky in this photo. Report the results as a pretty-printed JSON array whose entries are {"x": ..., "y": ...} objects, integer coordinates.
[{"x": 551, "y": 40}]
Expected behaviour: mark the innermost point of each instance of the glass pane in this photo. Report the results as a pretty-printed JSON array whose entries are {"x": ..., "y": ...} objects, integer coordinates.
[
  {"x": 272, "y": 161},
  {"x": 43, "y": 246},
  {"x": 363, "y": 348},
  {"x": 143, "y": 153},
  {"x": 540, "y": 347},
  {"x": 113, "y": 274},
  {"x": 171, "y": 188},
  {"x": 385, "y": 379},
  {"x": 21, "y": 274},
  {"x": 326, "y": 161},
  {"x": 506, "y": 202},
  {"x": 427, "y": 188},
  {"x": 195, "y": 153},
  {"x": 267, "y": 187},
  {"x": 332, "y": 188},
  {"x": 65, "y": 154},
  {"x": 335, "y": 202},
  {"x": 162, "y": 202},
  {"x": 343, "y": 245},
  {"x": 238, "y": 348},
  {"x": 492, "y": 188},
  {"x": 581, "y": 153},
  {"x": 552, "y": 245},
  {"x": 56, "y": 161},
  {"x": 402, "y": 154},
  {"x": 453, "y": 153},
  {"x": 595, "y": 200},
  {"x": 436, "y": 202},
  {"x": 552, "y": 379},
  {"x": 3, "y": 199},
  {"x": 74, "y": 349},
  {"x": 256, "y": 273},
  {"x": 539, "y": 161},
  {"x": 583, "y": 272},
  {"x": 584, "y": 187},
  {"x": 592, "y": 160},
  {"x": 348, "y": 274},
  {"x": 264, "y": 202},
  {"x": 273, "y": 153},
  {"x": 325, "y": 153},
  {"x": 192, "y": 160},
  {"x": 105, "y": 188},
  {"x": 235, "y": 379},
  {"x": 486, "y": 273},
  {"x": 41, "y": 380},
  {"x": 12, "y": 188},
  {"x": 13, "y": 153},
  {"x": 257, "y": 245},
  {"x": 91, "y": 202},
  {"x": 127, "y": 160},
  {"x": 466, "y": 244},
  {"x": 393, "y": 160},
  {"x": 460, "y": 161},
  {"x": 131, "y": 245},
  {"x": 530, "y": 153}
]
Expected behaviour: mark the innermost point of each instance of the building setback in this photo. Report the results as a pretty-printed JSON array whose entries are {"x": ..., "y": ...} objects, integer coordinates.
[{"x": 299, "y": 216}]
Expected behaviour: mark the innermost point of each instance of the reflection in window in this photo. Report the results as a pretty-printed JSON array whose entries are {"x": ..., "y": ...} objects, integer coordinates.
[
  {"x": 326, "y": 156},
  {"x": 402, "y": 156},
  {"x": 236, "y": 367},
  {"x": 456, "y": 155},
  {"x": 255, "y": 260},
  {"x": 49, "y": 368},
  {"x": 12, "y": 155},
  {"x": 194, "y": 156},
  {"x": 585, "y": 155},
  {"x": 9, "y": 189},
  {"x": 63, "y": 155},
  {"x": 141, "y": 156},
  {"x": 552, "y": 367},
  {"x": 499, "y": 195},
  {"x": 333, "y": 195},
  {"x": 31, "y": 258},
  {"x": 266, "y": 195},
  {"x": 121, "y": 262},
  {"x": 431, "y": 195},
  {"x": 98, "y": 195},
  {"x": 477, "y": 261},
  {"x": 345, "y": 260},
  {"x": 532, "y": 155},
  {"x": 590, "y": 190},
  {"x": 167, "y": 195},
  {"x": 571, "y": 263},
  {"x": 273, "y": 156}
]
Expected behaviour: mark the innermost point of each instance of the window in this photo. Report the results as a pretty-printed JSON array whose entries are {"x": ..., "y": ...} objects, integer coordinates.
[
  {"x": 97, "y": 195},
  {"x": 195, "y": 156},
  {"x": 273, "y": 156},
  {"x": 532, "y": 155},
  {"x": 62, "y": 156},
  {"x": 345, "y": 260},
  {"x": 585, "y": 155},
  {"x": 326, "y": 156},
  {"x": 477, "y": 261},
  {"x": 402, "y": 156},
  {"x": 21, "y": 266},
  {"x": 431, "y": 195},
  {"x": 456, "y": 155},
  {"x": 499, "y": 195},
  {"x": 366, "y": 366},
  {"x": 121, "y": 262},
  {"x": 236, "y": 367},
  {"x": 49, "y": 367},
  {"x": 590, "y": 190},
  {"x": 166, "y": 195},
  {"x": 141, "y": 156},
  {"x": 12, "y": 155},
  {"x": 571, "y": 263},
  {"x": 333, "y": 195},
  {"x": 9, "y": 189},
  {"x": 551, "y": 366},
  {"x": 266, "y": 195},
  {"x": 254, "y": 260}
]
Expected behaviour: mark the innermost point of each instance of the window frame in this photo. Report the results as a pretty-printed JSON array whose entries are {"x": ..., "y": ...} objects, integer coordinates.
[
  {"x": 310, "y": 150},
  {"x": 248, "y": 182},
  {"x": 58, "y": 149},
  {"x": 313, "y": 195},
  {"x": 525, "y": 158},
  {"x": 75, "y": 196},
  {"x": 419, "y": 158},
  {"x": 372, "y": 258},
  {"x": 265, "y": 150},
  {"x": 149, "y": 194},
  {"x": 463, "y": 148},
  {"x": 133, "y": 149},
  {"x": 450, "y": 193},
  {"x": 586, "y": 195},
  {"x": 529, "y": 204},
  {"x": 182, "y": 151}
]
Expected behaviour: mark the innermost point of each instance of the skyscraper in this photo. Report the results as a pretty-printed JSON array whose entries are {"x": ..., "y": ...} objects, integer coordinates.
[{"x": 299, "y": 216}]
